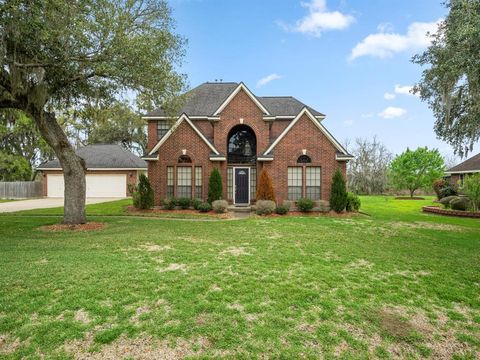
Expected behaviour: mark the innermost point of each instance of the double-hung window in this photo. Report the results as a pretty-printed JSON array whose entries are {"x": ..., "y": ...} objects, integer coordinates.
[
  {"x": 295, "y": 181},
  {"x": 312, "y": 182},
  {"x": 184, "y": 182},
  {"x": 162, "y": 128},
  {"x": 198, "y": 182}
]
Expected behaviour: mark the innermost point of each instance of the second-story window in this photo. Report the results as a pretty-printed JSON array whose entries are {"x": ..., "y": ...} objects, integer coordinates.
[{"x": 162, "y": 128}]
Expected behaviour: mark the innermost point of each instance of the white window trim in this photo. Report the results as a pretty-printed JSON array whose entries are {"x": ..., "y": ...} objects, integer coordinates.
[
  {"x": 317, "y": 124},
  {"x": 241, "y": 86},
  {"x": 182, "y": 118},
  {"x": 234, "y": 185}
]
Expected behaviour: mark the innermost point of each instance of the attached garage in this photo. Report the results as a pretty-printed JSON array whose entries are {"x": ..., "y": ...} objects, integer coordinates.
[{"x": 110, "y": 169}]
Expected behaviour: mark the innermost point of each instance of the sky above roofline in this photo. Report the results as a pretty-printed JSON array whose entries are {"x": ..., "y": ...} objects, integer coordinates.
[{"x": 347, "y": 59}]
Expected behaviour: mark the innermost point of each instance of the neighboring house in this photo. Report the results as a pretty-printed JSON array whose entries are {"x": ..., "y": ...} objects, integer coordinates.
[
  {"x": 458, "y": 172},
  {"x": 224, "y": 125},
  {"x": 110, "y": 169}
]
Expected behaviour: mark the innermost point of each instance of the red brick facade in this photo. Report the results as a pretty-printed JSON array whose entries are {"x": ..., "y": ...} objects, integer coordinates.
[{"x": 303, "y": 137}]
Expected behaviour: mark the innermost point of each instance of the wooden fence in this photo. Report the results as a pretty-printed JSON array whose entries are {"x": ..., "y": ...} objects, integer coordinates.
[{"x": 20, "y": 189}]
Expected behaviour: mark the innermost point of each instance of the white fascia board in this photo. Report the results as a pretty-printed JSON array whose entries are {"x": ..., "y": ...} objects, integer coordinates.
[
  {"x": 462, "y": 172},
  {"x": 216, "y": 158},
  {"x": 317, "y": 124},
  {"x": 343, "y": 157},
  {"x": 265, "y": 158},
  {"x": 241, "y": 86},
  {"x": 182, "y": 118},
  {"x": 96, "y": 169}
]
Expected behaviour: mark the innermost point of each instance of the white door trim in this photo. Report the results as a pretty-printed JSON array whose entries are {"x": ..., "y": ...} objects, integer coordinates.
[{"x": 235, "y": 186}]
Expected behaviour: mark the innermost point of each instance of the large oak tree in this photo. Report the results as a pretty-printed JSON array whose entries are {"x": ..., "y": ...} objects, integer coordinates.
[{"x": 56, "y": 54}]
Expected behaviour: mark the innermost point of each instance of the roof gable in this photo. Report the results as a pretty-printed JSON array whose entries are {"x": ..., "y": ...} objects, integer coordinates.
[
  {"x": 239, "y": 88},
  {"x": 286, "y": 106},
  {"x": 306, "y": 111},
  {"x": 470, "y": 165},
  {"x": 181, "y": 119}
]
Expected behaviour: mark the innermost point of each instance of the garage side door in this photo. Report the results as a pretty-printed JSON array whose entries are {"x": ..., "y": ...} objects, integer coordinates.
[
  {"x": 103, "y": 185},
  {"x": 55, "y": 185}
]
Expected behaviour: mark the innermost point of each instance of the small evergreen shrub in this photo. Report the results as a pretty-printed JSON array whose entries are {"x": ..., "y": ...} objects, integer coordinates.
[
  {"x": 338, "y": 197},
  {"x": 447, "y": 190},
  {"x": 353, "y": 202},
  {"x": 460, "y": 203},
  {"x": 446, "y": 201},
  {"x": 204, "y": 207},
  {"x": 195, "y": 203},
  {"x": 282, "y": 209},
  {"x": 265, "y": 207},
  {"x": 220, "y": 206},
  {"x": 265, "y": 187},
  {"x": 169, "y": 203},
  {"x": 214, "y": 186},
  {"x": 143, "y": 196},
  {"x": 184, "y": 203},
  {"x": 305, "y": 204}
]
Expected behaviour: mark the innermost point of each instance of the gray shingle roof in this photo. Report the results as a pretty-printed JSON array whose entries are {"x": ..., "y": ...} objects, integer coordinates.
[
  {"x": 103, "y": 157},
  {"x": 207, "y": 97},
  {"x": 471, "y": 164}
]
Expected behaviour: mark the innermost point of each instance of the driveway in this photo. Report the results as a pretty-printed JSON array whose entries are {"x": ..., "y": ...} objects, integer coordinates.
[{"x": 43, "y": 203}]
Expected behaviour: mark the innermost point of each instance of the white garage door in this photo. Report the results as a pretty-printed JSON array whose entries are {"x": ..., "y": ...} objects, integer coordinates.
[{"x": 101, "y": 185}]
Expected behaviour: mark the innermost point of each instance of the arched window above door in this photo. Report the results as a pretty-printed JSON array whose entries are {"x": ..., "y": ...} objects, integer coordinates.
[
  {"x": 304, "y": 159},
  {"x": 184, "y": 159},
  {"x": 242, "y": 145}
]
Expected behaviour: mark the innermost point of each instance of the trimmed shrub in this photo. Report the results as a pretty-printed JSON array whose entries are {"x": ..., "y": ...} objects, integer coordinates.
[
  {"x": 446, "y": 201},
  {"x": 437, "y": 186},
  {"x": 471, "y": 188},
  {"x": 184, "y": 203},
  {"x": 214, "y": 186},
  {"x": 220, "y": 206},
  {"x": 204, "y": 207},
  {"x": 195, "y": 203},
  {"x": 338, "y": 197},
  {"x": 265, "y": 207},
  {"x": 353, "y": 202},
  {"x": 169, "y": 203},
  {"x": 265, "y": 187},
  {"x": 305, "y": 204},
  {"x": 447, "y": 190},
  {"x": 282, "y": 209},
  {"x": 143, "y": 196},
  {"x": 321, "y": 205},
  {"x": 460, "y": 203}
]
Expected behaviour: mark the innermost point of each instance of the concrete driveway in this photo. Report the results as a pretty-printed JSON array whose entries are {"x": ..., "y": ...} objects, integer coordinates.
[{"x": 43, "y": 203}]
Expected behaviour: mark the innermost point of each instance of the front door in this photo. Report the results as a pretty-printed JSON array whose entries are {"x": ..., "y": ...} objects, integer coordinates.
[{"x": 242, "y": 185}]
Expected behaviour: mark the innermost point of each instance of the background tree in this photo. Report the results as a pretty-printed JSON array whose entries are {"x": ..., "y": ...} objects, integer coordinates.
[
  {"x": 471, "y": 188},
  {"x": 368, "y": 171},
  {"x": 338, "y": 195},
  {"x": 451, "y": 83},
  {"x": 57, "y": 54},
  {"x": 215, "y": 188},
  {"x": 416, "y": 169},
  {"x": 265, "y": 187}
]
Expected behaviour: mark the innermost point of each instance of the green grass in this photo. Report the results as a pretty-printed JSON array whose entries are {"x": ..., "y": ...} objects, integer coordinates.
[
  {"x": 6, "y": 200},
  {"x": 396, "y": 283}
]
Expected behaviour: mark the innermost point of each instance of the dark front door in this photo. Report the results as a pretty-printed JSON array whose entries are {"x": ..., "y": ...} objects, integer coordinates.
[{"x": 241, "y": 185}]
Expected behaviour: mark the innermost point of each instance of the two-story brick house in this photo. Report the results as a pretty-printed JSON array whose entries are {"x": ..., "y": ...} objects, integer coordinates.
[{"x": 224, "y": 125}]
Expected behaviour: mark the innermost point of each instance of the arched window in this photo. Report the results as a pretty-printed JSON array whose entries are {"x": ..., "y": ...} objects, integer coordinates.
[
  {"x": 184, "y": 159},
  {"x": 242, "y": 145},
  {"x": 304, "y": 159}
]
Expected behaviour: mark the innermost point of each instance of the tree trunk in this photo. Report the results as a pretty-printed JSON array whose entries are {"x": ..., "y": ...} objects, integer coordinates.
[
  {"x": 411, "y": 192},
  {"x": 72, "y": 165}
]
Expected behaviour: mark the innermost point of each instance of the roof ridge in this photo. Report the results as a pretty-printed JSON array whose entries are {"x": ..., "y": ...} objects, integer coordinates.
[{"x": 280, "y": 96}]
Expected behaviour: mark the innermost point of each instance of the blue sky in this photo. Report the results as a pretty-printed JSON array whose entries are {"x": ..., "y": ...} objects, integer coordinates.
[{"x": 347, "y": 59}]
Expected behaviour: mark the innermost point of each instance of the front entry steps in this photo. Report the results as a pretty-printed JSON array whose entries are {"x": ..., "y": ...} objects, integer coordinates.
[{"x": 240, "y": 211}]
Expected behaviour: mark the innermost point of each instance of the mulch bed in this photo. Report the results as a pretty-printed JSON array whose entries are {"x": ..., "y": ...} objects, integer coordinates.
[
  {"x": 449, "y": 212},
  {"x": 409, "y": 198},
  {"x": 315, "y": 214},
  {"x": 133, "y": 211},
  {"x": 90, "y": 226}
]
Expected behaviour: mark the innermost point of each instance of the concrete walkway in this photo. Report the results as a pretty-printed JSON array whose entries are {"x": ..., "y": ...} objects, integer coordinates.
[{"x": 43, "y": 203}]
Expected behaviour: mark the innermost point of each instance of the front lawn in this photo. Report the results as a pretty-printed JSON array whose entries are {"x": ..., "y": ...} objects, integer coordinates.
[{"x": 396, "y": 283}]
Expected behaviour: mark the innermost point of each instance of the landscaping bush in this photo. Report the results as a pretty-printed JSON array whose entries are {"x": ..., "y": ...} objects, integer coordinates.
[
  {"x": 353, "y": 202},
  {"x": 169, "y": 203},
  {"x": 265, "y": 187},
  {"x": 437, "y": 186},
  {"x": 204, "y": 207},
  {"x": 321, "y": 205},
  {"x": 304, "y": 204},
  {"x": 471, "y": 188},
  {"x": 143, "y": 196},
  {"x": 196, "y": 203},
  {"x": 184, "y": 203},
  {"x": 446, "y": 201},
  {"x": 265, "y": 207},
  {"x": 447, "y": 190},
  {"x": 282, "y": 209},
  {"x": 214, "y": 186},
  {"x": 219, "y": 206},
  {"x": 338, "y": 197},
  {"x": 460, "y": 203}
]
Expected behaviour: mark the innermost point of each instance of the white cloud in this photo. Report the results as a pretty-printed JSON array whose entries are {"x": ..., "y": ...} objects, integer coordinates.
[
  {"x": 404, "y": 89},
  {"x": 392, "y": 112},
  {"x": 319, "y": 19},
  {"x": 389, "y": 96},
  {"x": 386, "y": 43},
  {"x": 265, "y": 80}
]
